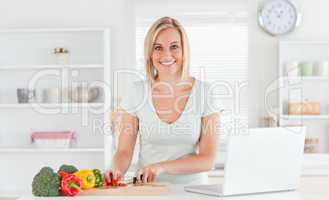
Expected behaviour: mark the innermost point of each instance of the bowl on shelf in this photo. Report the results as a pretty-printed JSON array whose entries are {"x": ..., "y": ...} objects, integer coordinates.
[
  {"x": 66, "y": 95},
  {"x": 292, "y": 69},
  {"x": 51, "y": 95},
  {"x": 52, "y": 139},
  {"x": 83, "y": 95}
]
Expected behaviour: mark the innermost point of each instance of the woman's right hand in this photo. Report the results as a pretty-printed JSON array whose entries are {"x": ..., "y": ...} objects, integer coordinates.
[{"x": 112, "y": 176}]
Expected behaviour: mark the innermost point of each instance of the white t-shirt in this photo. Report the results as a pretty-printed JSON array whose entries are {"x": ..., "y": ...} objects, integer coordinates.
[{"x": 160, "y": 141}]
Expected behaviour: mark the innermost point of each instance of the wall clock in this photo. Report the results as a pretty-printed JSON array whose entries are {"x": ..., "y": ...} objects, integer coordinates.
[{"x": 278, "y": 17}]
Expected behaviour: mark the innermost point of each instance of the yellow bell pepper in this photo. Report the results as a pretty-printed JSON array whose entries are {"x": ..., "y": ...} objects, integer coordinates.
[{"x": 87, "y": 178}]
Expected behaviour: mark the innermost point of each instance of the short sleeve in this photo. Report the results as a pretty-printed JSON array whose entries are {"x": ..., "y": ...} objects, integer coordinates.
[{"x": 211, "y": 102}]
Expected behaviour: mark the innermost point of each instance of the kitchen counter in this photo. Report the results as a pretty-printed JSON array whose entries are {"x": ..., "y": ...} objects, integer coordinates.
[{"x": 311, "y": 188}]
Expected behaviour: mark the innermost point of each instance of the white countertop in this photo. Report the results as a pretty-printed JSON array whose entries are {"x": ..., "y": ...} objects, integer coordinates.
[
  {"x": 311, "y": 188},
  {"x": 177, "y": 192}
]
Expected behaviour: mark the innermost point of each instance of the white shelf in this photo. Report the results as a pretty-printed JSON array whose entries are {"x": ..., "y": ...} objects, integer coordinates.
[
  {"x": 33, "y": 30},
  {"x": 52, "y": 105},
  {"x": 41, "y": 150},
  {"x": 310, "y": 158},
  {"x": 307, "y": 78},
  {"x": 38, "y": 67},
  {"x": 303, "y": 42},
  {"x": 310, "y": 117}
]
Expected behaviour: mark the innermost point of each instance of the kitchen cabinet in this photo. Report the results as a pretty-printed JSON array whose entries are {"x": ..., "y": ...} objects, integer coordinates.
[
  {"x": 28, "y": 61},
  {"x": 303, "y": 78}
]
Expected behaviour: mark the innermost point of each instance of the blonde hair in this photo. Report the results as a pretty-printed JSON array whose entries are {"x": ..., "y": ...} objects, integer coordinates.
[{"x": 158, "y": 26}]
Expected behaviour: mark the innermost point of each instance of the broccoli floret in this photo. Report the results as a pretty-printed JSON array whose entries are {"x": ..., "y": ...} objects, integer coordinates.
[
  {"x": 46, "y": 183},
  {"x": 68, "y": 169}
]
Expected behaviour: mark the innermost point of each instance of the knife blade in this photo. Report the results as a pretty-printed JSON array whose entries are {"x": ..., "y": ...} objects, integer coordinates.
[{"x": 139, "y": 182}]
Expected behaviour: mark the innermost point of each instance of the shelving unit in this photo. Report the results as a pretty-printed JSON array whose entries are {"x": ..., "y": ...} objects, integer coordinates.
[
  {"x": 305, "y": 117},
  {"x": 52, "y": 105},
  {"x": 307, "y": 78},
  {"x": 27, "y": 59},
  {"x": 301, "y": 88},
  {"x": 29, "y": 67},
  {"x": 37, "y": 150}
]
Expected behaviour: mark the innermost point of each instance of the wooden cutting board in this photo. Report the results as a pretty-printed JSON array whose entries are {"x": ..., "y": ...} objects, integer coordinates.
[{"x": 152, "y": 189}]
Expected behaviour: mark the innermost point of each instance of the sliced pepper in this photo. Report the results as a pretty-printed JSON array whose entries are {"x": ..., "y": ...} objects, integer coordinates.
[
  {"x": 99, "y": 177},
  {"x": 87, "y": 178},
  {"x": 114, "y": 182}
]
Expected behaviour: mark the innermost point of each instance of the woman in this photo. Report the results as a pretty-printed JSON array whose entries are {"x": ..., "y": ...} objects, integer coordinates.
[{"x": 171, "y": 111}]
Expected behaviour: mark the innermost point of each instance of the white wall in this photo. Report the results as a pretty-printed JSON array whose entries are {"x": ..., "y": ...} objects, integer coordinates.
[
  {"x": 263, "y": 50},
  {"x": 117, "y": 15}
]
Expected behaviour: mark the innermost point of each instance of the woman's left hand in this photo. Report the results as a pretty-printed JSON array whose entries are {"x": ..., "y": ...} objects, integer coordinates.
[{"x": 150, "y": 173}]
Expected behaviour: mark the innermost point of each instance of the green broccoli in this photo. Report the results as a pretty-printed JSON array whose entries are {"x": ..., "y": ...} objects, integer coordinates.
[
  {"x": 68, "y": 169},
  {"x": 46, "y": 183}
]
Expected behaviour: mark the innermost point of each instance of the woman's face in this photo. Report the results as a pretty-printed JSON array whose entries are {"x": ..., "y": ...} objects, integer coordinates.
[{"x": 167, "y": 54}]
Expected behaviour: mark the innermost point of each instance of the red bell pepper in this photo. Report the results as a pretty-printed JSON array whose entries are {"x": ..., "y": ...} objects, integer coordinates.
[
  {"x": 70, "y": 184},
  {"x": 114, "y": 182}
]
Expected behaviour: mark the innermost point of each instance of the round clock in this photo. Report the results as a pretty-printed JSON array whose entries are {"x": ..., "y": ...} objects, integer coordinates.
[{"x": 278, "y": 17}]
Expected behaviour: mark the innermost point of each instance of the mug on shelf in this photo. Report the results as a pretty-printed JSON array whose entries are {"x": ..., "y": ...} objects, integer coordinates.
[
  {"x": 292, "y": 68},
  {"x": 66, "y": 95},
  {"x": 306, "y": 68},
  {"x": 52, "y": 95},
  {"x": 61, "y": 55},
  {"x": 25, "y": 95},
  {"x": 322, "y": 68},
  {"x": 85, "y": 94}
]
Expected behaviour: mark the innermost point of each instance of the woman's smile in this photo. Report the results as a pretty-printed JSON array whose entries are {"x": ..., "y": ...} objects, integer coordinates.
[{"x": 167, "y": 63}]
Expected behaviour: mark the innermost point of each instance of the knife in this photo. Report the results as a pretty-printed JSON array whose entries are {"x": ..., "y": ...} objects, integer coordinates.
[{"x": 135, "y": 182}]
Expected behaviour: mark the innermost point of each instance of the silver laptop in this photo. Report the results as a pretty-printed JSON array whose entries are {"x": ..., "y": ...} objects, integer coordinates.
[{"x": 262, "y": 160}]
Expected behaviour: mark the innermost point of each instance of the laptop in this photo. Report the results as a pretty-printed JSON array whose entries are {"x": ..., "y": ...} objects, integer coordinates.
[{"x": 259, "y": 161}]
